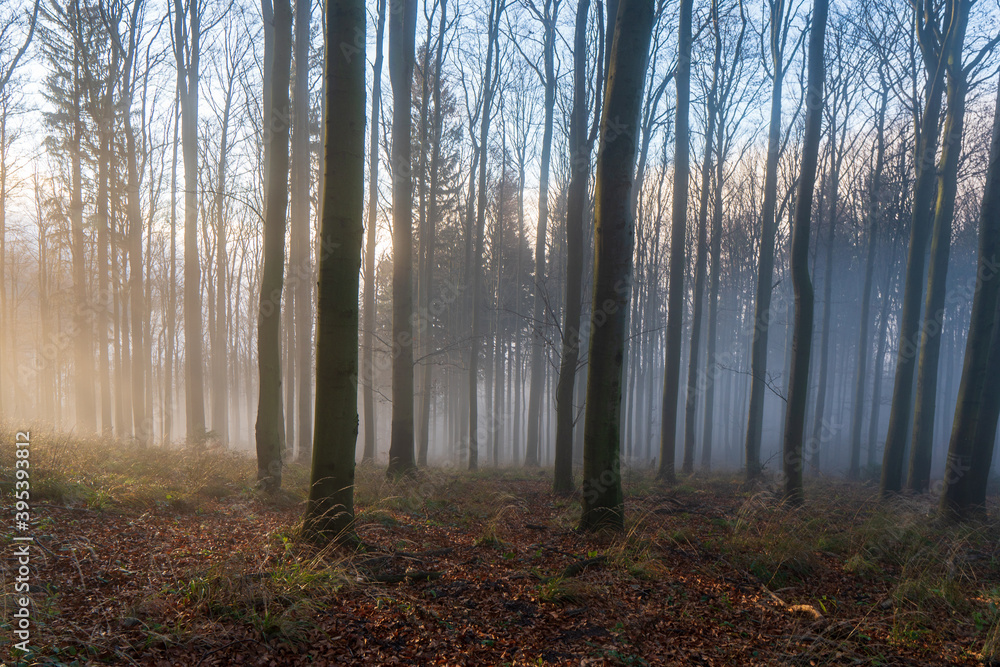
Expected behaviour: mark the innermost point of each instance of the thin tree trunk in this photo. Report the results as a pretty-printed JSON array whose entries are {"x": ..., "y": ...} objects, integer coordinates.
[
  {"x": 535, "y": 400},
  {"x": 368, "y": 353},
  {"x": 678, "y": 225},
  {"x": 299, "y": 254},
  {"x": 576, "y": 204},
  {"x": 922, "y": 444},
  {"x": 188, "y": 53},
  {"x": 269, "y": 428},
  {"x": 765, "y": 262},
  {"x": 802, "y": 337},
  {"x": 874, "y": 194},
  {"x": 920, "y": 229},
  {"x": 693, "y": 388},
  {"x": 402, "y": 25}
]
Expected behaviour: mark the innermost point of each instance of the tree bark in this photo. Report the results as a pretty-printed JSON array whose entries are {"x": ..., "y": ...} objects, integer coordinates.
[
  {"x": 802, "y": 337},
  {"x": 874, "y": 195},
  {"x": 693, "y": 388},
  {"x": 580, "y": 148},
  {"x": 535, "y": 397},
  {"x": 402, "y": 26},
  {"x": 922, "y": 443},
  {"x": 330, "y": 510},
  {"x": 269, "y": 428},
  {"x": 187, "y": 83},
  {"x": 299, "y": 251},
  {"x": 920, "y": 229},
  {"x": 614, "y": 237},
  {"x": 678, "y": 225},
  {"x": 970, "y": 450},
  {"x": 368, "y": 353},
  {"x": 765, "y": 261}
]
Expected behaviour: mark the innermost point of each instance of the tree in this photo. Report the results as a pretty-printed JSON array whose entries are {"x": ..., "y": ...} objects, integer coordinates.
[
  {"x": 299, "y": 255},
  {"x": 678, "y": 225},
  {"x": 547, "y": 75},
  {"x": 781, "y": 13},
  {"x": 581, "y": 145},
  {"x": 614, "y": 234},
  {"x": 798, "y": 384},
  {"x": 187, "y": 52},
  {"x": 368, "y": 352},
  {"x": 402, "y": 28},
  {"x": 874, "y": 37},
  {"x": 691, "y": 399},
  {"x": 270, "y": 429},
  {"x": 957, "y": 78},
  {"x": 330, "y": 510},
  {"x": 934, "y": 39},
  {"x": 489, "y": 86},
  {"x": 973, "y": 435}
]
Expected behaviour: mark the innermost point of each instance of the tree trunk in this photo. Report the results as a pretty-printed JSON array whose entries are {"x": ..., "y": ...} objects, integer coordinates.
[
  {"x": 489, "y": 87},
  {"x": 187, "y": 83},
  {"x": 301, "y": 237},
  {"x": 402, "y": 26},
  {"x": 922, "y": 444},
  {"x": 802, "y": 338},
  {"x": 765, "y": 262},
  {"x": 678, "y": 225},
  {"x": 874, "y": 194},
  {"x": 535, "y": 399},
  {"x": 920, "y": 229},
  {"x": 368, "y": 353},
  {"x": 614, "y": 236},
  {"x": 330, "y": 511},
  {"x": 576, "y": 204},
  {"x": 269, "y": 428},
  {"x": 974, "y": 432},
  {"x": 693, "y": 388}
]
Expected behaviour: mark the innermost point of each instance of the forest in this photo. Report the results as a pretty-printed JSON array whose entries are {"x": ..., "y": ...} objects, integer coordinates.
[{"x": 500, "y": 332}]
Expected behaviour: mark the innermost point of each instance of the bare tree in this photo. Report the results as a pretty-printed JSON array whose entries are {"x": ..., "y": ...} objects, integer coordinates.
[
  {"x": 798, "y": 384},
  {"x": 614, "y": 234},
  {"x": 330, "y": 511}
]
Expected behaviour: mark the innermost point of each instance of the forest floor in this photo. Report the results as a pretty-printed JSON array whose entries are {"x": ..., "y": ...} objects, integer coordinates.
[{"x": 160, "y": 558}]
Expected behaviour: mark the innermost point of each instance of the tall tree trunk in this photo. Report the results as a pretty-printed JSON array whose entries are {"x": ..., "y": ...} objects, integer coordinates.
[
  {"x": 678, "y": 226},
  {"x": 220, "y": 355},
  {"x": 535, "y": 399},
  {"x": 922, "y": 444},
  {"x": 330, "y": 511},
  {"x": 187, "y": 45},
  {"x": 798, "y": 386},
  {"x": 142, "y": 421},
  {"x": 823, "y": 381},
  {"x": 580, "y": 148},
  {"x": 491, "y": 74},
  {"x": 299, "y": 250},
  {"x": 402, "y": 26},
  {"x": 614, "y": 237},
  {"x": 270, "y": 431},
  {"x": 437, "y": 126},
  {"x": 973, "y": 434},
  {"x": 920, "y": 229},
  {"x": 874, "y": 194},
  {"x": 368, "y": 353},
  {"x": 765, "y": 261},
  {"x": 171, "y": 314},
  {"x": 693, "y": 388}
]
